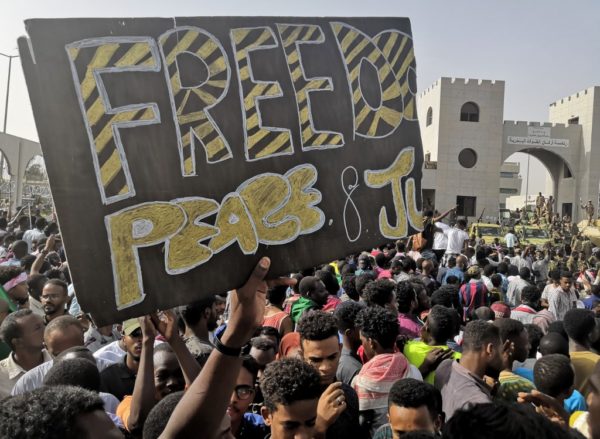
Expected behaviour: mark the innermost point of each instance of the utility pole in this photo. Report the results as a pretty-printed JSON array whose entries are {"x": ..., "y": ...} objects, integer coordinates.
[
  {"x": 2, "y": 158},
  {"x": 527, "y": 184},
  {"x": 10, "y": 58}
]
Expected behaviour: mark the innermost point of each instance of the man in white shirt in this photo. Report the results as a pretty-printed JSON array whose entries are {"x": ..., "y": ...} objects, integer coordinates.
[
  {"x": 96, "y": 338},
  {"x": 23, "y": 331},
  {"x": 34, "y": 379},
  {"x": 511, "y": 239},
  {"x": 516, "y": 286},
  {"x": 552, "y": 283},
  {"x": 488, "y": 271},
  {"x": 115, "y": 351},
  {"x": 34, "y": 235},
  {"x": 61, "y": 334},
  {"x": 520, "y": 260},
  {"x": 440, "y": 240},
  {"x": 527, "y": 311},
  {"x": 540, "y": 266},
  {"x": 563, "y": 298},
  {"x": 112, "y": 352},
  {"x": 77, "y": 364},
  {"x": 456, "y": 238}
]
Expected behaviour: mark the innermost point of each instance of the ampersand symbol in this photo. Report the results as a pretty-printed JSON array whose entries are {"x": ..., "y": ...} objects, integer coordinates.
[{"x": 349, "y": 188}]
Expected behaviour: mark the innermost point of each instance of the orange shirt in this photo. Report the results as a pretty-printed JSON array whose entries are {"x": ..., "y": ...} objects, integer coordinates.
[
  {"x": 275, "y": 320},
  {"x": 124, "y": 409}
]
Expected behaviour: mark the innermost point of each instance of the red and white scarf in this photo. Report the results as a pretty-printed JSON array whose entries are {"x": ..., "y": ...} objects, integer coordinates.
[{"x": 375, "y": 379}]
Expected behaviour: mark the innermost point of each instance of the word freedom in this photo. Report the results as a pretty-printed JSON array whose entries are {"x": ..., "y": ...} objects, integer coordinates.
[{"x": 191, "y": 105}]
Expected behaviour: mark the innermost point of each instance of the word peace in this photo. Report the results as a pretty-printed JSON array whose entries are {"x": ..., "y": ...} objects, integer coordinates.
[{"x": 267, "y": 209}]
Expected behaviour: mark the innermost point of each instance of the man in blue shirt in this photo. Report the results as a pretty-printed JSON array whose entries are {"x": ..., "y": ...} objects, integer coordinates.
[
  {"x": 594, "y": 299},
  {"x": 456, "y": 267}
]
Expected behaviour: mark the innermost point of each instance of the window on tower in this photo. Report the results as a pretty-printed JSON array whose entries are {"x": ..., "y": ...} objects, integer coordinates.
[{"x": 469, "y": 112}]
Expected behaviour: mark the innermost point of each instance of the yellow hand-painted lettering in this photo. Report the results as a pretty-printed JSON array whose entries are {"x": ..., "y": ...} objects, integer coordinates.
[
  {"x": 264, "y": 195},
  {"x": 184, "y": 249},
  {"x": 138, "y": 226},
  {"x": 393, "y": 176}
]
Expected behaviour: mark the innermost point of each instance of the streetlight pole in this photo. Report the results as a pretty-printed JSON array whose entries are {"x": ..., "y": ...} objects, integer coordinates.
[
  {"x": 10, "y": 58},
  {"x": 527, "y": 184},
  {"x": 2, "y": 159}
]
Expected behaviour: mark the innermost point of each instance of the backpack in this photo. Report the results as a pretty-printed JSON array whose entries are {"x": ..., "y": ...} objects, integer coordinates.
[{"x": 418, "y": 241}]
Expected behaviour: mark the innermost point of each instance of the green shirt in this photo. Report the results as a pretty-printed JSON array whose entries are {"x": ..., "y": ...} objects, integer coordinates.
[
  {"x": 416, "y": 351},
  {"x": 300, "y": 306}
]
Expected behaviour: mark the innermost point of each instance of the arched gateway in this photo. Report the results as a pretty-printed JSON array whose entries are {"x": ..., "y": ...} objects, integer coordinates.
[
  {"x": 18, "y": 152},
  {"x": 465, "y": 156}
]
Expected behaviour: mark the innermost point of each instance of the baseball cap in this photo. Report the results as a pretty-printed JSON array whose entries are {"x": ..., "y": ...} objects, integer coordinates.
[
  {"x": 473, "y": 270},
  {"x": 129, "y": 326},
  {"x": 501, "y": 310}
]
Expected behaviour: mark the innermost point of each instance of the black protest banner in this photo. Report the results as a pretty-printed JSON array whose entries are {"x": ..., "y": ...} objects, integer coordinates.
[{"x": 181, "y": 150}]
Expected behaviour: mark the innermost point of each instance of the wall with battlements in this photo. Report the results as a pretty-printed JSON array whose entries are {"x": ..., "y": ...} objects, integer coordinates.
[
  {"x": 583, "y": 108},
  {"x": 568, "y": 145},
  {"x": 448, "y": 136}
]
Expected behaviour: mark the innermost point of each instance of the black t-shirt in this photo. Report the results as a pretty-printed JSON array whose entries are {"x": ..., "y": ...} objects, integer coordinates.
[
  {"x": 118, "y": 380},
  {"x": 428, "y": 232}
]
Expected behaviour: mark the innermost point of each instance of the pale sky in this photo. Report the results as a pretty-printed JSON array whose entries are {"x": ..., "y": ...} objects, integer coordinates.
[{"x": 543, "y": 49}]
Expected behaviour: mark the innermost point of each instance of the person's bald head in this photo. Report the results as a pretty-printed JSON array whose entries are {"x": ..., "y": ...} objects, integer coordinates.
[
  {"x": 76, "y": 352},
  {"x": 554, "y": 343},
  {"x": 461, "y": 262},
  {"x": 62, "y": 333}
]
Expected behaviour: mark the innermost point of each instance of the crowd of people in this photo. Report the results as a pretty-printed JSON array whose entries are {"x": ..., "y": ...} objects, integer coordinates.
[{"x": 437, "y": 335}]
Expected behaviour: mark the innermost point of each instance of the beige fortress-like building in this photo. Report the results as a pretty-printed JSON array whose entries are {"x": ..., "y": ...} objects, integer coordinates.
[{"x": 466, "y": 143}]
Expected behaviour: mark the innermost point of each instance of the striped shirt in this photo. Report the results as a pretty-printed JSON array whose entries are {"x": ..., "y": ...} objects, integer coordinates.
[
  {"x": 560, "y": 301},
  {"x": 473, "y": 295}
]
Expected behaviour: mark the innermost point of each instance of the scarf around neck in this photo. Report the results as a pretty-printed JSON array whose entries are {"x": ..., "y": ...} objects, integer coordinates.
[
  {"x": 301, "y": 305},
  {"x": 376, "y": 378}
]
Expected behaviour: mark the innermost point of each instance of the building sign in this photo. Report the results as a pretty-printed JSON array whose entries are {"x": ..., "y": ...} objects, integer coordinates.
[
  {"x": 539, "y": 131},
  {"x": 538, "y": 137},
  {"x": 31, "y": 190},
  {"x": 181, "y": 150},
  {"x": 538, "y": 142}
]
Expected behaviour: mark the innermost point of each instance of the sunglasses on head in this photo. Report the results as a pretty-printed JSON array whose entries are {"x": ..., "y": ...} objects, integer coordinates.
[
  {"x": 137, "y": 333},
  {"x": 244, "y": 391}
]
